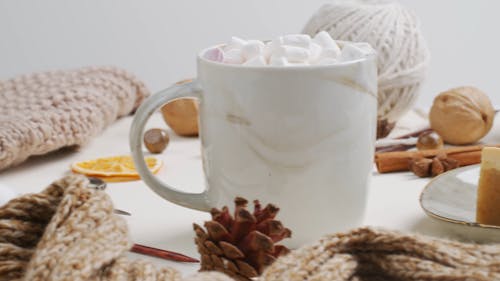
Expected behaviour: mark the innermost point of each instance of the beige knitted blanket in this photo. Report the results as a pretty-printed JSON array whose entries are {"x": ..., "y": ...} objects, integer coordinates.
[
  {"x": 46, "y": 111},
  {"x": 69, "y": 232}
]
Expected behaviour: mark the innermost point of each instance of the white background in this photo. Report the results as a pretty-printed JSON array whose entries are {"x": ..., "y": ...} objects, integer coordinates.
[{"x": 158, "y": 40}]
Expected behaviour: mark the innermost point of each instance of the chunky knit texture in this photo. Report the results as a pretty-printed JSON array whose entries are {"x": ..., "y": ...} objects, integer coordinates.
[
  {"x": 370, "y": 254},
  {"x": 69, "y": 232},
  {"x": 46, "y": 111}
]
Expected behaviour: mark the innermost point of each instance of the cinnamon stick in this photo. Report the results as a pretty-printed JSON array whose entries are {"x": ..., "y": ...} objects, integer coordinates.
[
  {"x": 159, "y": 253},
  {"x": 387, "y": 162}
]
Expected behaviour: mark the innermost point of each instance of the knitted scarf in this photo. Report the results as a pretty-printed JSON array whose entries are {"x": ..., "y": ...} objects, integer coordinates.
[
  {"x": 69, "y": 232},
  {"x": 43, "y": 112}
]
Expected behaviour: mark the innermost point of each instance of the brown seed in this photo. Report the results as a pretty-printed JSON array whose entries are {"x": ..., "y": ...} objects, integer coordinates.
[
  {"x": 230, "y": 266},
  {"x": 441, "y": 156},
  {"x": 421, "y": 167},
  {"x": 216, "y": 231},
  {"x": 212, "y": 247},
  {"x": 450, "y": 164},
  {"x": 437, "y": 167},
  {"x": 231, "y": 251},
  {"x": 246, "y": 269},
  {"x": 156, "y": 140}
]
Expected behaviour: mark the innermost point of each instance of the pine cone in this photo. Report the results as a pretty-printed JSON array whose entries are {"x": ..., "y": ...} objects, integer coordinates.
[{"x": 243, "y": 245}]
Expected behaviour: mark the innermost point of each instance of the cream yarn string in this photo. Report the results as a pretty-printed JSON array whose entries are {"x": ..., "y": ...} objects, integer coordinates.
[{"x": 395, "y": 33}]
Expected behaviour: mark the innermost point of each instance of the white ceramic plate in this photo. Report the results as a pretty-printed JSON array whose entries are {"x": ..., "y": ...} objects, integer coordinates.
[{"x": 451, "y": 199}]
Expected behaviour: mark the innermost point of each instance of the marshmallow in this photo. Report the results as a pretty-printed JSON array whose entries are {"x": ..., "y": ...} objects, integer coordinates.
[
  {"x": 252, "y": 49},
  {"x": 293, "y": 54},
  {"x": 235, "y": 43},
  {"x": 324, "y": 39},
  {"x": 256, "y": 61},
  {"x": 297, "y": 63},
  {"x": 297, "y": 40},
  {"x": 233, "y": 56},
  {"x": 330, "y": 52},
  {"x": 353, "y": 52},
  {"x": 278, "y": 41},
  {"x": 326, "y": 61},
  {"x": 328, "y": 45},
  {"x": 268, "y": 50},
  {"x": 214, "y": 54},
  {"x": 316, "y": 51},
  {"x": 278, "y": 61},
  {"x": 365, "y": 48},
  {"x": 288, "y": 50}
]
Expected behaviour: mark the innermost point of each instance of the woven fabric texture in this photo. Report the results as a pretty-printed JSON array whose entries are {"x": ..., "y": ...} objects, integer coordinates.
[
  {"x": 368, "y": 254},
  {"x": 69, "y": 232},
  {"x": 43, "y": 112}
]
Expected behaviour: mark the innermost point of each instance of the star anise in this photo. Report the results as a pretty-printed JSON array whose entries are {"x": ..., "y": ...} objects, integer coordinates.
[{"x": 427, "y": 167}]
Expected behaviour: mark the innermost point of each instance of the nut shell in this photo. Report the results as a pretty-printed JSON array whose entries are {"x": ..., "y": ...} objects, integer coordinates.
[
  {"x": 462, "y": 115},
  {"x": 156, "y": 140},
  {"x": 429, "y": 140},
  {"x": 182, "y": 116}
]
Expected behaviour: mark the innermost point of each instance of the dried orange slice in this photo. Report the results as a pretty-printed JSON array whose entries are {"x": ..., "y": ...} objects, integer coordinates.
[{"x": 115, "y": 168}]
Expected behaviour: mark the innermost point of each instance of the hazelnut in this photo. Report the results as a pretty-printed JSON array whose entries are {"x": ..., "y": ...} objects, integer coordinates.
[
  {"x": 462, "y": 115},
  {"x": 429, "y": 140},
  {"x": 156, "y": 140}
]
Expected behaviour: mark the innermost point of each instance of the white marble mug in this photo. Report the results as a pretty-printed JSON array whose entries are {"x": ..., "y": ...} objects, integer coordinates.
[{"x": 301, "y": 137}]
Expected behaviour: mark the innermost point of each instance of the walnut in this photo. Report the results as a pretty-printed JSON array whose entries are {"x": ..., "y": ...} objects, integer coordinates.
[
  {"x": 181, "y": 115},
  {"x": 462, "y": 115}
]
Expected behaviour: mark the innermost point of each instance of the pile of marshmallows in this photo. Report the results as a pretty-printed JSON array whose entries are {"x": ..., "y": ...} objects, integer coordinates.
[{"x": 288, "y": 50}]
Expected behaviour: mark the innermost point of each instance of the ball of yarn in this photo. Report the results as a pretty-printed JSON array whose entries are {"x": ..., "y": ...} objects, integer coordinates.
[{"x": 394, "y": 32}]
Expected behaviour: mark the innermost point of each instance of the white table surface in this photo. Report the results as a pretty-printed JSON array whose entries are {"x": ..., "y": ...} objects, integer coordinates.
[{"x": 392, "y": 203}]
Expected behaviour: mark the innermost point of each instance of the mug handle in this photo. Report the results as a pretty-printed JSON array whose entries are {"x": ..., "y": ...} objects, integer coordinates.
[{"x": 191, "y": 89}]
